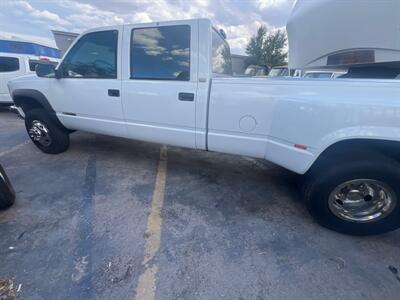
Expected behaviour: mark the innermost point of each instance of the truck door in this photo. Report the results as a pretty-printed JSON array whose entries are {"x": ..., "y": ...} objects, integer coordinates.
[
  {"x": 160, "y": 82},
  {"x": 10, "y": 67},
  {"x": 87, "y": 96}
]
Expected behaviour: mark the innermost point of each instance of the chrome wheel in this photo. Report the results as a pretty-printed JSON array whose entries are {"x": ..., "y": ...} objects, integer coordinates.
[
  {"x": 362, "y": 200},
  {"x": 39, "y": 133}
]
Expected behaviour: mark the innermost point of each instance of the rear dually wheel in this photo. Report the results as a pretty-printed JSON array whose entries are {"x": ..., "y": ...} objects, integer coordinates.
[{"x": 358, "y": 197}]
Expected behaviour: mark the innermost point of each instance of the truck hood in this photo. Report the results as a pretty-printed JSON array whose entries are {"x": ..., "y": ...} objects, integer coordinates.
[
  {"x": 23, "y": 78},
  {"x": 23, "y": 82}
]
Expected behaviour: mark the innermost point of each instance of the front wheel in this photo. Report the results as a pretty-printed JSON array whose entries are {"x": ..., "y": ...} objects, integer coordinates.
[
  {"x": 45, "y": 133},
  {"x": 356, "y": 197}
]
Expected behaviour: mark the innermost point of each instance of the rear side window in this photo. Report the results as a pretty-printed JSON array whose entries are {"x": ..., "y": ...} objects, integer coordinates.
[
  {"x": 93, "y": 56},
  {"x": 221, "y": 55},
  {"x": 8, "y": 64},
  {"x": 161, "y": 53}
]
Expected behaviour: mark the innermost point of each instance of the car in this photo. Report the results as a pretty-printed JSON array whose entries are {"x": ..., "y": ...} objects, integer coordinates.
[
  {"x": 171, "y": 83},
  {"x": 280, "y": 71},
  {"x": 324, "y": 74},
  {"x": 7, "y": 193},
  {"x": 254, "y": 70}
]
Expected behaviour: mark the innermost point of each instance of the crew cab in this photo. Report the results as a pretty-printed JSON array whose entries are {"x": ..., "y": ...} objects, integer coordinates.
[{"x": 171, "y": 83}]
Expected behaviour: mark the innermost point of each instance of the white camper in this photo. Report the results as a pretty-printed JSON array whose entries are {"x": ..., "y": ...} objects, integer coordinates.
[{"x": 340, "y": 34}]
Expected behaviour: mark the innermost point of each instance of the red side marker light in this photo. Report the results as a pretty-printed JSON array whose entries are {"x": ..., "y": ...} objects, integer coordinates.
[{"x": 300, "y": 146}]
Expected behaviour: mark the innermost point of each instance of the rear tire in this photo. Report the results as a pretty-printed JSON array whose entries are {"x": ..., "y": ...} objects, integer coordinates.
[
  {"x": 359, "y": 197},
  {"x": 7, "y": 194},
  {"x": 46, "y": 134}
]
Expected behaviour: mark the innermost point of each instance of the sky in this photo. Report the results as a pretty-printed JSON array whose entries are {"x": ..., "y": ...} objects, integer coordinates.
[{"x": 33, "y": 19}]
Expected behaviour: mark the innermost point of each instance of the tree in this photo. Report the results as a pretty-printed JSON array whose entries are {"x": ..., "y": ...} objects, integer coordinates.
[{"x": 267, "y": 48}]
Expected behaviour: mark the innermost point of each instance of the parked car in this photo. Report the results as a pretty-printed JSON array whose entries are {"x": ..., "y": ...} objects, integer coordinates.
[
  {"x": 7, "y": 194},
  {"x": 172, "y": 84},
  {"x": 255, "y": 70},
  {"x": 323, "y": 74},
  {"x": 376, "y": 71},
  {"x": 279, "y": 71}
]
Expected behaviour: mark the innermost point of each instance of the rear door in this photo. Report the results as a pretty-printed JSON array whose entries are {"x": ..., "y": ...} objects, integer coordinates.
[
  {"x": 11, "y": 66},
  {"x": 159, "y": 82}
]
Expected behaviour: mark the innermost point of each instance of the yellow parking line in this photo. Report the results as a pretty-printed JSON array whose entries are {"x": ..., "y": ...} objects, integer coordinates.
[{"x": 146, "y": 287}]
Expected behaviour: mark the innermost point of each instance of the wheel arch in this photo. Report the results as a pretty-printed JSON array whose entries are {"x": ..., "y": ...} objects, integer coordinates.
[
  {"x": 360, "y": 147},
  {"x": 29, "y": 99}
]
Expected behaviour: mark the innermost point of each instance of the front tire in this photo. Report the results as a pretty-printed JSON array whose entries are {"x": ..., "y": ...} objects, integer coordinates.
[
  {"x": 360, "y": 197},
  {"x": 48, "y": 136}
]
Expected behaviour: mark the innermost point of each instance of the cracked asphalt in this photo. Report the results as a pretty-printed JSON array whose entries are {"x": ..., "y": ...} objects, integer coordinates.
[{"x": 232, "y": 227}]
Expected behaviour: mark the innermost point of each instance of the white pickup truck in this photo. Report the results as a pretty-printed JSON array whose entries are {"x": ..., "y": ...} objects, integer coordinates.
[{"x": 171, "y": 83}]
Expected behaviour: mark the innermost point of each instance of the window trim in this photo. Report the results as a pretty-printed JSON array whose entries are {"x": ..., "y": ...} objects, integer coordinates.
[
  {"x": 160, "y": 79},
  {"x": 12, "y": 57},
  {"x": 60, "y": 66}
]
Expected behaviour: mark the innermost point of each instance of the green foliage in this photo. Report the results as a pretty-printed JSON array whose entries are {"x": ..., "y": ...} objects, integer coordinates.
[{"x": 267, "y": 48}]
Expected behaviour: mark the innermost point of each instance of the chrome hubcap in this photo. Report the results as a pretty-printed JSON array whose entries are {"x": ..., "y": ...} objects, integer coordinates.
[
  {"x": 362, "y": 200},
  {"x": 39, "y": 133}
]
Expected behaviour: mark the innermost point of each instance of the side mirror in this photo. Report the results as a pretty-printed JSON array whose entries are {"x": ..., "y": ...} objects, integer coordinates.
[
  {"x": 58, "y": 73},
  {"x": 45, "y": 70}
]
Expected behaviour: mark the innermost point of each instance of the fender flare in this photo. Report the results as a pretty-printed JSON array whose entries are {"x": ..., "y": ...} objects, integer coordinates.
[{"x": 20, "y": 95}]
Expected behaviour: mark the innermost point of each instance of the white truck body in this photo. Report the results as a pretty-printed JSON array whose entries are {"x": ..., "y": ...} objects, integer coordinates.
[
  {"x": 170, "y": 83},
  {"x": 289, "y": 121}
]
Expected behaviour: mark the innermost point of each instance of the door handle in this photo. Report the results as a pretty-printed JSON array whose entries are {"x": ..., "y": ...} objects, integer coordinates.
[
  {"x": 186, "y": 96},
  {"x": 113, "y": 93}
]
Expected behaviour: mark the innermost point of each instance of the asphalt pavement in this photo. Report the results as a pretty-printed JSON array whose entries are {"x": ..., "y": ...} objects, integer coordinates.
[{"x": 113, "y": 218}]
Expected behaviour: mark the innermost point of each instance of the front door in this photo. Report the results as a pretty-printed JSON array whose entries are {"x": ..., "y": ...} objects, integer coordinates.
[
  {"x": 87, "y": 97},
  {"x": 160, "y": 82}
]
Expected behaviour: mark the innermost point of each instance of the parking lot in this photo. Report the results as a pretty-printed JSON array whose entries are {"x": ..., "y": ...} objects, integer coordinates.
[{"x": 113, "y": 219}]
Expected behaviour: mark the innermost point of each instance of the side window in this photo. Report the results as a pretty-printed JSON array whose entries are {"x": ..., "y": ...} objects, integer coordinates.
[
  {"x": 93, "y": 56},
  {"x": 8, "y": 64},
  {"x": 161, "y": 53},
  {"x": 221, "y": 55}
]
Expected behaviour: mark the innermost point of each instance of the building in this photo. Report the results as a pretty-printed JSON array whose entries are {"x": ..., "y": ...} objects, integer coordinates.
[{"x": 64, "y": 39}]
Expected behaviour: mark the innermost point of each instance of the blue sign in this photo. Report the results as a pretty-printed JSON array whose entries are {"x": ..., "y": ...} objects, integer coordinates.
[{"x": 28, "y": 48}]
